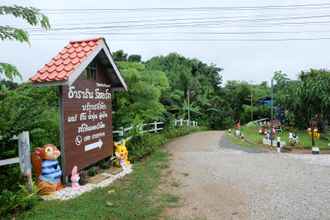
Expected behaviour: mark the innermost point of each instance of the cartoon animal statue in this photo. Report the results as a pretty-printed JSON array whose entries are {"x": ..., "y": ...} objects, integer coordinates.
[
  {"x": 75, "y": 178},
  {"x": 47, "y": 169},
  {"x": 122, "y": 154}
]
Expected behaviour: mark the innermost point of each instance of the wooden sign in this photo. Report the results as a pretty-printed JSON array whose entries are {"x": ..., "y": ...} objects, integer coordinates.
[{"x": 86, "y": 122}]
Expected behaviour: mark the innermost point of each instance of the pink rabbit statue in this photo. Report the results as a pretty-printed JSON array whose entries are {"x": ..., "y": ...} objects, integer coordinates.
[{"x": 75, "y": 178}]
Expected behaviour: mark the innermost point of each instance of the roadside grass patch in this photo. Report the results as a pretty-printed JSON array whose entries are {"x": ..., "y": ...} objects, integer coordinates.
[
  {"x": 170, "y": 200},
  {"x": 241, "y": 142},
  {"x": 254, "y": 139},
  {"x": 130, "y": 198},
  {"x": 136, "y": 196},
  {"x": 175, "y": 183}
]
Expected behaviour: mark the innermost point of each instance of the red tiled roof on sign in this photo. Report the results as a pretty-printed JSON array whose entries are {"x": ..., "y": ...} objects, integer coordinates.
[{"x": 66, "y": 61}]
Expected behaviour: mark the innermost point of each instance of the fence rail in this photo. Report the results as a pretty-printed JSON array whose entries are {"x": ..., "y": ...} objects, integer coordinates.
[
  {"x": 143, "y": 128},
  {"x": 153, "y": 127},
  {"x": 182, "y": 122}
]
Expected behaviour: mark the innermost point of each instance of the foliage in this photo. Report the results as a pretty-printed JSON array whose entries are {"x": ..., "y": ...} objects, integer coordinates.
[
  {"x": 24, "y": 108},
  {"x": 189, "y": 79},
  {"x": 30, "y": 109},
  {"x": 16, "y": 201},
  {"x": 310, "y": 92},
  {"x": 240, "y": 95},
  {"x": 7, "y": 85},
  {"x": 9, "y": 71},
  {"x": 119, "y": 55},
  {"x": 255, "y": 139},
  {"x": 138, "y": 190},
  {"x": 142, "y": 100},
  {"x": 134, "y": 58},
  {"x": 144, "y": 144},
  {"x": 33, "y": 17}
]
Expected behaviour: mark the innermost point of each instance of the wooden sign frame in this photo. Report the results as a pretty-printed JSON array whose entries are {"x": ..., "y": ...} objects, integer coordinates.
[{"x": 86, "y": 121}]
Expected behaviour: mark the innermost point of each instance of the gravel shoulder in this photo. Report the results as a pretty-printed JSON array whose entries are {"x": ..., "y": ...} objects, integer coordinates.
[{"x": 221, "y": 181}]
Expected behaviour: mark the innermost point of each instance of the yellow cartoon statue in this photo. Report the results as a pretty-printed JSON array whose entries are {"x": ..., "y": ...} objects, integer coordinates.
[{"x": 122, "y": 154}]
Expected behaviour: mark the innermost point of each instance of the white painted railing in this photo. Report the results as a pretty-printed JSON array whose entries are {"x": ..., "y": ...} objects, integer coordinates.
[
  {"x": 144, "y": 128},
  {"x": 24, "y": 157},
  {"x": 182, "y": 122},
  {"x": 153, "y": 127}
]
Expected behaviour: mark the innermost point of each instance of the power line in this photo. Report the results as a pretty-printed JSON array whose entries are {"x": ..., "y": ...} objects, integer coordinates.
[
  {"x": 175, "y": 25},
  {"x": 211, "y": 39},
  {"x": 292, "y": 6},
  {"x": 204, "y": 19},
  {"x": 182, "y": 32}
]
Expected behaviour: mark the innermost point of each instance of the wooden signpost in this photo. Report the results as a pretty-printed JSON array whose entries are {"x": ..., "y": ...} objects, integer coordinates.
[
  {"x": 86, "y": 74},
  {"x": 86, "y": 122}
]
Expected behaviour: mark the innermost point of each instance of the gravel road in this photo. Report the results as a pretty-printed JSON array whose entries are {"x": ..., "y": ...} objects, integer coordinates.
[{"x": 219, "y": 180}]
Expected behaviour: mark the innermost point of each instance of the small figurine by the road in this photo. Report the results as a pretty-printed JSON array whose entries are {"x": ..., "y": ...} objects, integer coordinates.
[{"x": 47, "y": 169}]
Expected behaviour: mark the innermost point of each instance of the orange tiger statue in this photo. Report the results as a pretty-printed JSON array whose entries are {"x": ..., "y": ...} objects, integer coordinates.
[{"x": 47, "y": 169}]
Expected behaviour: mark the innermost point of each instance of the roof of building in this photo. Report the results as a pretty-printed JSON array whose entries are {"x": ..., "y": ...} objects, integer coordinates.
[{"x": 69, "y": 63}]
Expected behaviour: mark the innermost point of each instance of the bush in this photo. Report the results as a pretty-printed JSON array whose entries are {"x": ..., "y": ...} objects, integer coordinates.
[
  {"x": 20, "y": 200},
  {"x": 143, "y": 145},
  {"x": 92, "y": 171}
]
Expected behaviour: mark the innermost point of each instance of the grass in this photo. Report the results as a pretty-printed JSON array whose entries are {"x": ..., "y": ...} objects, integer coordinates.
[
  {"x": 134, "y": 197},
  {"x": 242, "y": 143},
  {"x": 251, "y": 134}
]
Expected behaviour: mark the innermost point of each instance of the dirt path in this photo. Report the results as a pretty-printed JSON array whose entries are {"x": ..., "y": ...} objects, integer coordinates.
[
  {"x": 217, "y": 180},
  {"x": 203, "y": 196}
]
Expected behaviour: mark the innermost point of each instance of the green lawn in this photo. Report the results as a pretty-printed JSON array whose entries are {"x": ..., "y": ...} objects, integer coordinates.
[
  {"x": 251, "y": 134},
  {"x": 134, "y": 197},
  {"x": 242, "y": 143}
]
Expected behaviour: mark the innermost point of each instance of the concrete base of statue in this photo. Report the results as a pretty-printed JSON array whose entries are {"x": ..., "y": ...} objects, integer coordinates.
[
  {"x": 315, "y": 150},
  {"x": 70, "y": 193}
]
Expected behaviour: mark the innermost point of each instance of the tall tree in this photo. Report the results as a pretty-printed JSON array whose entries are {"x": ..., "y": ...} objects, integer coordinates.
[{"x": 33, "y": 17}]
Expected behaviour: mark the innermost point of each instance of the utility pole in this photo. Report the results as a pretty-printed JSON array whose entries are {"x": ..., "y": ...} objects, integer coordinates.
[
  {"x": 188, "y": 101},
  {"x": 272, "y": 100},
  {"x": 272, "y": 112},
  {"x": 251, "y": 104}
]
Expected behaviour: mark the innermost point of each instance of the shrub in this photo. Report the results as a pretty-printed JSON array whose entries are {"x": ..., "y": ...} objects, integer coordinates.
[
  {"x": 92, "y": 171},
  {"x": 22, "y": 199},
  {"x": 144, "y": 144}
]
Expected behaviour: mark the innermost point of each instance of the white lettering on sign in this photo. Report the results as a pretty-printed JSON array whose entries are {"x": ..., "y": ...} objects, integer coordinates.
[
  {"x": 72, "y": 118},
  {"x": 93, "y": 146},
  {"x": 103, "y": 85},
  {"x": 87, "y": 94},
  {"x": 98, "y": 135},
  {"x": 103, "y": 115},
  {"x": 97, "y": 106},
  {"x": 85, "y": 128}
]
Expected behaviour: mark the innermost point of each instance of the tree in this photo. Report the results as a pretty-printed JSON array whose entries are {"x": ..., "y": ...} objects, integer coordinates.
[
  {"x": 188, "y": 77},
  {"x": 304, "y": 98},
  {"x": 33, "y": 109},
  {"x": 134, "y": 58},
  {"x": 119, "y": 56},
  {"x": 142, "y": 101},
  {"x": 33, "y": 17}
]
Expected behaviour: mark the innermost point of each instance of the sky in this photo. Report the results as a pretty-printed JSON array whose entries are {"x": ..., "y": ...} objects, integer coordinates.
[{"x": 249, "y": 39}]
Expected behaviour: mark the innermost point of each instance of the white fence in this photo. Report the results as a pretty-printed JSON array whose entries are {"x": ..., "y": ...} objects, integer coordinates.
[
  {"x": 24, "y": 157},
  {"x": 182, "y": 122},
  {"x": 153, "y": 127},
  {"x": 144, "y": 128}
]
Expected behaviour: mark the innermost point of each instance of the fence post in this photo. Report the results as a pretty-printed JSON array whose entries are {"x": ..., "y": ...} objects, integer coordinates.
[
  {"x": 25, "y": 157},
  {"x": 122, "y": 130},
  {"x": 181, "y": 122},
  {"x": 155, "y": 126},
  {"x": 188, "y": 123}
]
